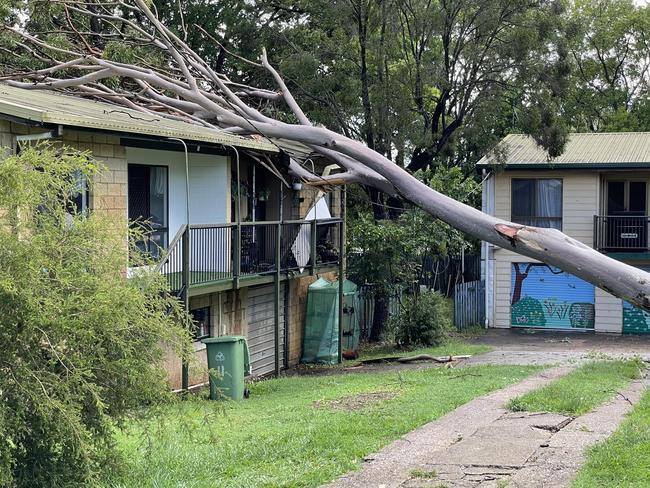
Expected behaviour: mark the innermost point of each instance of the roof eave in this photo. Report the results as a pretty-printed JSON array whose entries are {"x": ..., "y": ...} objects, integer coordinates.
[{"x": 561, "y": 166}]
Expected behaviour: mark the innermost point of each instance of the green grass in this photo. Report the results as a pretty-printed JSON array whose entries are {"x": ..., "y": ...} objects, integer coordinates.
[
  {"x": 452, "y": 347},
  {"x": 623, "y": 460},
  {"x": 295, "y": 431},
  {"x": 419, "y": 473},
  {"x": 581, "y": 390}
]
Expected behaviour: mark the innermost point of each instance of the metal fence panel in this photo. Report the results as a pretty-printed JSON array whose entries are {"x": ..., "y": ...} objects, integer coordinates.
[{"x": 469, "y": 304}]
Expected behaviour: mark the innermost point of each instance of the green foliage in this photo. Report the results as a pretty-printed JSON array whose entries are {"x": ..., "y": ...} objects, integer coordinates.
[
  {"x": 581, "y": 390},
  {"x": 424, "y": 320},
  {"x": 390, "y": 251},
  {"x": 81, "y": 344}
]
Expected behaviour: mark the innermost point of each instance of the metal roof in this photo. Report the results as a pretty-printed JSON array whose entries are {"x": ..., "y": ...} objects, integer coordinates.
[
  {"x": 583, "y": 150},
  {"x": 49, "y": 107}
]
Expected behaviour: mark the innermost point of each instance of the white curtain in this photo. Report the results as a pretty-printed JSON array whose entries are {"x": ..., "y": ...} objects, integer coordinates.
[
  {"x": 549, "y": 203},
  {"x": 158, "y": 181}
]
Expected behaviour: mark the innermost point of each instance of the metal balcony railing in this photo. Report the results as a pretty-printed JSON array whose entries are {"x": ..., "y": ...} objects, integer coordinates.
[
  {"x": 216, "y": 252},
  {"x": 621, "y": 233}
]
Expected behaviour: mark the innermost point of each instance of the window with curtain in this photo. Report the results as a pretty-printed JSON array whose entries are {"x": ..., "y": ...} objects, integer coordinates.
[{"x": 537, "y": 202}]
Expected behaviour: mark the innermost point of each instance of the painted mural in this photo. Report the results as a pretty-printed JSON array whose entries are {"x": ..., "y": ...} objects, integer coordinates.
[
  {"x": 544, "y": 296},
  {"x": 635, "y": 320}
]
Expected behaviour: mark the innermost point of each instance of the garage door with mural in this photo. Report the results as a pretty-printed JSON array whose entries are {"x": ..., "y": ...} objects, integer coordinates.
[
  {"x": 635, "y": 320},
  {"x": 261, "y": 329},
  {"x": 547, "y": 297}
]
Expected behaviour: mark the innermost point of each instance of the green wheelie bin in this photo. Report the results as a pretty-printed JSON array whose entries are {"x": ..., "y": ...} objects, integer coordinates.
[{"x": 229, "y": 363}]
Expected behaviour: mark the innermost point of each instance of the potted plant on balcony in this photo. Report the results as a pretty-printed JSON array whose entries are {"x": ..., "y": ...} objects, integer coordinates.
[{"x": 263, "y": 195}]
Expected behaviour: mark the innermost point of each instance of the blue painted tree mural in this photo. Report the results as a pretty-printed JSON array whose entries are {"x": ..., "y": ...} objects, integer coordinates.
[{"x": 544, "y": 296}]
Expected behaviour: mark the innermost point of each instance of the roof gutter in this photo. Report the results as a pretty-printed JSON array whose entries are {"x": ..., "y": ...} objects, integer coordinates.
[{"x": 39, "y": 137}]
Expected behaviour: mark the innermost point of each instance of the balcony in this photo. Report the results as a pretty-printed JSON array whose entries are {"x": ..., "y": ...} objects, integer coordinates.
[
  {"x": 621, "y": 233},
  {"x": 223, "y": 256}
]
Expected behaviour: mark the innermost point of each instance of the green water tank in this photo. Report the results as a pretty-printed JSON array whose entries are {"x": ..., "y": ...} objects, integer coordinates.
[
  {"x": 229, "y": 364},
  {"x": 321, "y": 335}
]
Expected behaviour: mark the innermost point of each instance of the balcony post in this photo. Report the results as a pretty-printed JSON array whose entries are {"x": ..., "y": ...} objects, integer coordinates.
[
  {"x": 341, "y": 269},
  {"x": 314, "y": 227},
  {"x": 185, "y": 286},
  {"x": 596, "y": 234},
  {"x": 278, "y": 297},
  {"x": 236, "y": 255}
]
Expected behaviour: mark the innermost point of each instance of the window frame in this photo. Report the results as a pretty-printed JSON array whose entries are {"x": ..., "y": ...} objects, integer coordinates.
[
  {"x": 164, "y": 230},
  {"x": 519, "y": 219},
  {"x": 208, "y": 332}
]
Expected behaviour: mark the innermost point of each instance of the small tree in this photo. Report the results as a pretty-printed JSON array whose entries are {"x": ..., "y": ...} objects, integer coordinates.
[{"x": 80, "y": 343}]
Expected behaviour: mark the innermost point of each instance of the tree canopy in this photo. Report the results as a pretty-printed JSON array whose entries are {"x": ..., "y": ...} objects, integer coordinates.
[
  {"x": 478, "y": 57},
  {"x": 81, "y": 346}
]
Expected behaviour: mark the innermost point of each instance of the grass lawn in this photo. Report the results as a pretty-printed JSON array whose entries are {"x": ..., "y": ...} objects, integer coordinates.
[
  {"x": 581, "y": 390},
  {"x": 623, "y": 460},
  {"x": 296, "y": 431}
]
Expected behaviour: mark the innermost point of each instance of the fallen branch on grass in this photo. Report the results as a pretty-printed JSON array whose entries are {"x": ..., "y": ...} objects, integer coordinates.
[
  {"x": 464, "y": 375},
  {"x": 419, "y": 357}
]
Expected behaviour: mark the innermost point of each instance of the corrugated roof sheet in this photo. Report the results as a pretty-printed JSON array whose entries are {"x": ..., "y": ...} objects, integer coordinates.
[
  {"x": 45, "y": 106},
  {"x": 606, "y": 149}
]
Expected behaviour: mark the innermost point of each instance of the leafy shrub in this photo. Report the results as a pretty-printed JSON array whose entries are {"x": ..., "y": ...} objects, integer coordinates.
[
  {"x": 80, "y": 345},
  {"x": 424, "y": 319}
]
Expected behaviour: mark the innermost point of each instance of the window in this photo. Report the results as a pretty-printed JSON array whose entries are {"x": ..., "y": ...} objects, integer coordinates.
[
  {"x": 537, "y": 202},
  {"x": 201, "y": 317},
  {"x": 148, "y": 190},
  {"x": 79, "y": 200}
]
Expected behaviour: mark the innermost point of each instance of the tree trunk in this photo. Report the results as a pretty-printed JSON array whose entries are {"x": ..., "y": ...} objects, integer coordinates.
[{"x": 379, "y": 317}]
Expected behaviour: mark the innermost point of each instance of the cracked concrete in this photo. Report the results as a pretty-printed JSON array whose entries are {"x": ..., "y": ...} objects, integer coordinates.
[{"x": 481, "y": 445}]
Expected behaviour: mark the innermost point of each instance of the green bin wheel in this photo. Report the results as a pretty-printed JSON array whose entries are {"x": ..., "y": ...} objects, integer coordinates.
[{"x": 247, "y": 393}]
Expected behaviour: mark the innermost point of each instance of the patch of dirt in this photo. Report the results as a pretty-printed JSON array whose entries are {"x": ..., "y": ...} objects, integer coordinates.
[{"x": 356, "y": 402}]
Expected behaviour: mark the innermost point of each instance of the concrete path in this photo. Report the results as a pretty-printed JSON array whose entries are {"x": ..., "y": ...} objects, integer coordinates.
[
  {"x": 515, "y": 346},
  {"x": 481, "y": 445}
]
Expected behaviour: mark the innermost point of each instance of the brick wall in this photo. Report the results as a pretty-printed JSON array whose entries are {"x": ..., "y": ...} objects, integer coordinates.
[{"x": 109, "y": 193}]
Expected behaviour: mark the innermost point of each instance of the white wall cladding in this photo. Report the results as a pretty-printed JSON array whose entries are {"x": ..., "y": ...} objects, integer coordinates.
[{"x": 209, "y": 185}]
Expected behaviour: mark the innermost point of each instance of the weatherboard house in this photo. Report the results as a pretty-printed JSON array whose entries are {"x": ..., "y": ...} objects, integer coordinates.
[
  {"x": 254, "y": 241},
  {"x": 597, "y": 192}
]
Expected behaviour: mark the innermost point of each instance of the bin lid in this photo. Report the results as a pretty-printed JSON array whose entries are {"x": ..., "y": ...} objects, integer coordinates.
[{"x": 213, "y": 340}]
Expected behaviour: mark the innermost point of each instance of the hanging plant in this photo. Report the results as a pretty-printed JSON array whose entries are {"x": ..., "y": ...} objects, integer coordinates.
[{"x": 243, "y": 188}]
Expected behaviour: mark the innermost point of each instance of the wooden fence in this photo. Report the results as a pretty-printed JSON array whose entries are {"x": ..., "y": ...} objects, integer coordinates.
[{"x": 469, "y": 304}]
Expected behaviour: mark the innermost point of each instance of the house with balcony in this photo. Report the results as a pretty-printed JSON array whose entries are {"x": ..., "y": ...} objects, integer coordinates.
[
  {"x": 231, "y": 231},
  {"x": 597, "y": 191}
]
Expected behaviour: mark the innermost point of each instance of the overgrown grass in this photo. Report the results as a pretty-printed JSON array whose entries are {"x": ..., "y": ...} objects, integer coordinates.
[
  {"x": 581, "y": 390},
  {"x": 452, "y": 347},
  {"x": 623, "y": 460},
  {"x": 296, "y": 431}
]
